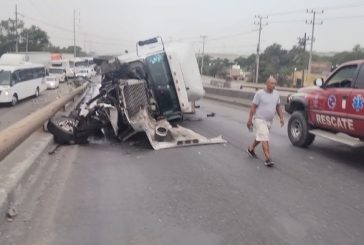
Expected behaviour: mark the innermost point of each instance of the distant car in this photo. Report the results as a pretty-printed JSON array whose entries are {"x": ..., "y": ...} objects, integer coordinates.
[
  {"x": 59, "y": 73},
  {"x": 84, "y": 73},
  {"x": 52, "y": 82}
]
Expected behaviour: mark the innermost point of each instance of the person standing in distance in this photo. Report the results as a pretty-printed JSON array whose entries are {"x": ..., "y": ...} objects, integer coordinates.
[{"x": 266, "y": 104}]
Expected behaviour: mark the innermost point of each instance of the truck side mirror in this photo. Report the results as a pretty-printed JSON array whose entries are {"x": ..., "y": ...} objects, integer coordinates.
[{"x": 318, "y": 82}]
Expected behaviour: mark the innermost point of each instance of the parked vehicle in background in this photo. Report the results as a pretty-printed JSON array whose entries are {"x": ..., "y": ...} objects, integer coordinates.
[
  {"x": 59, "y": 73},
  {"x": 334, "y": 109},
  {"x": 76, "y": 65},
  {"x": 43, "y": 58},
  {"x": 21, "y": 81},
  {"x": 52, "y": 82},
  {"x": 84, "y": 73},
  {"x": 65, "y": 65},
  {"x": 89, "y": 61}
]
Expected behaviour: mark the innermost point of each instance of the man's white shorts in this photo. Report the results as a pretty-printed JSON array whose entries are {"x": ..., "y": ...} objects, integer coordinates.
[{"x": 262, "y": 128}]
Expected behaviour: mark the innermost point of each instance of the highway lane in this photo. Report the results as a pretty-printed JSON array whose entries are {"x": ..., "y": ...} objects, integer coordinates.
[
  {"x": 126, "y": 193},
  {"x": 11, "y": 114}
]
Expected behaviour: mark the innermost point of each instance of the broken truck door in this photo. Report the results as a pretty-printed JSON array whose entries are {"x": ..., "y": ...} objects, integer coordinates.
[{"x": 163, "y": 86}]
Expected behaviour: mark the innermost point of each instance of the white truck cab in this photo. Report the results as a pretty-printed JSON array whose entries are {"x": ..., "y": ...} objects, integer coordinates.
[{"x": 175, "y": 78}]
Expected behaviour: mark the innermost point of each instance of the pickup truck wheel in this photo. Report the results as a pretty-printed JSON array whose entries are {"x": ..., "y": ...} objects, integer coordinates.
[{"x": 298, "y": 130}]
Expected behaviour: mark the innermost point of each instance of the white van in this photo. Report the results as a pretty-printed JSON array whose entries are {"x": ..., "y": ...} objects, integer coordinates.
[
  {"x": 63, "y": 64},
  {"x": 58, "y": 72},
  {"x": 21, "y": 81},
  {"x": 77, "y": 64}
]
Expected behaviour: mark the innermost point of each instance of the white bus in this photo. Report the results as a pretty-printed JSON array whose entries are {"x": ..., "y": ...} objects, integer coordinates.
[
  {"x": 21, "y": 81},
  {"x": 77, "y": 64}
]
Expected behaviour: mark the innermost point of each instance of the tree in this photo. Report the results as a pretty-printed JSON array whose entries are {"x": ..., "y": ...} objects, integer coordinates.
[
  {"x": 218, "y": 67},
  {"x": 248, "y": 63},
  {"x": 355, "y": 54},
  {"x": 271, "y": 62},
  {"x": 38, "y": 39},
  {"x": 8, "y": 35},
  {"x": 206, "y": 63}
]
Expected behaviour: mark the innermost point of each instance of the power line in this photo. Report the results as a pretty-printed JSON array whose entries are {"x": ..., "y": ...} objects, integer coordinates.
[
  {"x": 232, "y": 35},
  {"x": 313, "y": 23},
  {"x": 70, "y": 30},
  {"x": 327, "y": 7},
  {"x": 344, "y": 17},
  {"x": 203, "y": 51},
  {"x": 260, "y": 24},
  {"x": 16, "y": 28},
  {"x": 288, "y": 21},
  {"x": 74, "y": 33},
  {"x": 88, "y": 40},
  {"x": 303, "y": 42}
]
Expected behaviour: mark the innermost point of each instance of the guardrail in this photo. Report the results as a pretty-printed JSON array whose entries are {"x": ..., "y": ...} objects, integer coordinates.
[
  {"x": 261, "y": 86},
  {"x": 12, "y": 136},
  {"x": 234, "y": 93},
  {"x": 227, "y": 84}
]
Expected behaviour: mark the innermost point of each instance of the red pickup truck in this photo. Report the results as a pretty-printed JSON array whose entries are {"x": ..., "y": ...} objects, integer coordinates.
[{"x": 333, "y": 109}]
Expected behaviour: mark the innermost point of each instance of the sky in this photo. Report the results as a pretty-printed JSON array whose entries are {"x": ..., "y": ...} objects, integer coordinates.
[{"x": 112, "y": 26}]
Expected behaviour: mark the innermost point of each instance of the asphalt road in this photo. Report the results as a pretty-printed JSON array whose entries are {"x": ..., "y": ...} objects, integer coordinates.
[
  {"x": 11, "y": 114},
  {"x": 126, "y": 193}
]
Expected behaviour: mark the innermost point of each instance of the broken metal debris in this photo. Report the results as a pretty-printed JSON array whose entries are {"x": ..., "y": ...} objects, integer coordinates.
[
  {"x": 11, "y": 214},
  {"x": 140, "y": 95}
]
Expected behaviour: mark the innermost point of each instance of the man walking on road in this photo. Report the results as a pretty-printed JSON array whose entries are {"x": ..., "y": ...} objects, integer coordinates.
[{"x": 266, "y": 104}]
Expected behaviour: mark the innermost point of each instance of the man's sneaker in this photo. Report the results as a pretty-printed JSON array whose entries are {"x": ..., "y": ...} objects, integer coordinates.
[
  {"x": 252, "y": 153},
  {"x": 269, "y": 163}
]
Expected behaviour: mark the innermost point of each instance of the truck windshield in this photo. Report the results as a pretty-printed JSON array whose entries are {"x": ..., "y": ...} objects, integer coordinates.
[
  {"x": 163, "y": 84},
  {"x": 5, "y": 77}
]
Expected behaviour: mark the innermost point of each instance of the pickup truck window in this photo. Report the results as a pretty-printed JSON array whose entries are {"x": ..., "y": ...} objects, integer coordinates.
[
  {"x": 343, "y": 78},
  {"x": 360, "y": 81}
]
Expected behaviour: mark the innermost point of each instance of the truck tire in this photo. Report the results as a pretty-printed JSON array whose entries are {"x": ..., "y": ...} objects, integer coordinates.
[
  {"x": 36, "y": 94},
  {"x": 298, "y": 130},
  {"x": 14, "y": 100},
  {"x": 63, "y": 130}
]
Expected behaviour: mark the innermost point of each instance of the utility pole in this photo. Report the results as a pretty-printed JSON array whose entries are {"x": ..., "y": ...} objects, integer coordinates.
[
  {"x": 258, "y": 23},
  {"x": 74, "y": 33},
  {"x": 303, "y": 42},
  {"x": 203, "y": 52},
  {"x": 313, "y": 23},
  {"x": 16, "y": 28},
  {"x": 26, "y": 47}
]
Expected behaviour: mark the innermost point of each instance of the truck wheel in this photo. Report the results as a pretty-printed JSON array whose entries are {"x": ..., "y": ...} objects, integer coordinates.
[
  {"x": 36, "y": 92},
  {"x": 298, "y": 130},
  {"x": 14, "y": 100}
]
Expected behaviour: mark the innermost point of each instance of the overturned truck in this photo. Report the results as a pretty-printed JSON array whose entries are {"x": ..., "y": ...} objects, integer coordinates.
[{"x": 149, "y": 92}]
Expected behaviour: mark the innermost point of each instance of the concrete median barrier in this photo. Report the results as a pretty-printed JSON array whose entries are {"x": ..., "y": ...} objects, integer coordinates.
[
  {"x": 21, "y": 147},
  {"x": 232, "y": 93},
  {"x": 12, "y": 136}
]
